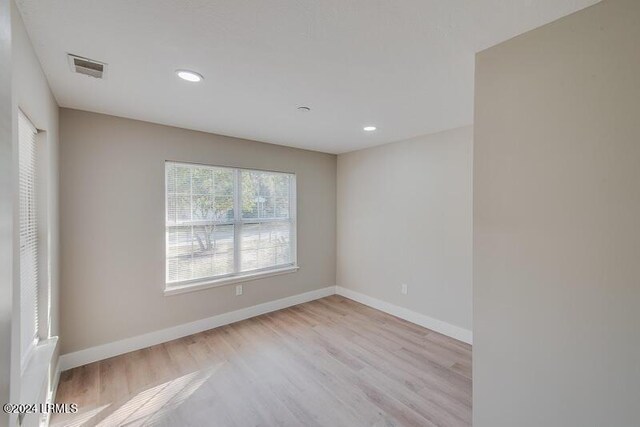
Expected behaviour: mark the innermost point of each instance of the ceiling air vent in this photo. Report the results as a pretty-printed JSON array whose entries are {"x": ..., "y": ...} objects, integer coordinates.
[{"x": 87, "y": 66}]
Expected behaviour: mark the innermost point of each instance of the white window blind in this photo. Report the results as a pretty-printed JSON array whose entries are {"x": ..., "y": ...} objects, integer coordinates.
[
  {"x": 225, "y": 222},
  {"x": 27, "y": 166}
]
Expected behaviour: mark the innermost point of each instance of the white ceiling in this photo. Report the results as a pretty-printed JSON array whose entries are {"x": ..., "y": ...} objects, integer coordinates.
[{"x": 405, "y": 66}]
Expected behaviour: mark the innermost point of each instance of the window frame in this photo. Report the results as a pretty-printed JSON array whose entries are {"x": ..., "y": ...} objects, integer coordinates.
[
  {"x": 174, "y": 288},
  {"x": 35, "y": 198}
]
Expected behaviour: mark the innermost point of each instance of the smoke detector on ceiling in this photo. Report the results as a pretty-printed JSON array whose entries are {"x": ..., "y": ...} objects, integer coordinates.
[{"x": 87, "y": 66}]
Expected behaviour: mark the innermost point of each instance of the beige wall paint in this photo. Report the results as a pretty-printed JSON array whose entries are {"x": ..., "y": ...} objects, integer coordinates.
[
  {"x": 404, "y": 216},
  {"x": 557, "y": 224},
  {"x": 112, "y": 210},
  {"x": 32, "y": 95}
]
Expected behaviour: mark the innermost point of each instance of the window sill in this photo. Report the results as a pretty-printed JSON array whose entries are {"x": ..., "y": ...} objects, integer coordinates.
[
  {"x": 36, "y": 373},
  {"x": 197, "y": 286}
]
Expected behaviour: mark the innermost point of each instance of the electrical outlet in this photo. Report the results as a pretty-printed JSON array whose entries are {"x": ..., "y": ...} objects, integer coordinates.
[
  {"x": 238, "y": 290},
  {"x": 404, "y": 289}
]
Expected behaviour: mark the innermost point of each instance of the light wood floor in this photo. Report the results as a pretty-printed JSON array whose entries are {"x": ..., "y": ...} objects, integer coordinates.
[{"x": 331, "y": 362}]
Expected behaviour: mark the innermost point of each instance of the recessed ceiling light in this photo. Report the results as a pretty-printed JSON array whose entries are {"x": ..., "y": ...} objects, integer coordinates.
[
  {"x": 190, "y": 76},
  {"x": 304, "y": 109},
  {"x": 369, "y": 128}
]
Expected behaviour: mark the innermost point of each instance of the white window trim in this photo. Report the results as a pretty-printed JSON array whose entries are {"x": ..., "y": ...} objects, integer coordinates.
[
  {"x": 35, "y": 374},
  {"x": 27, "y": 354},
  {"x": 177, "y": 288},
  {"x": 35, "y": 363}
]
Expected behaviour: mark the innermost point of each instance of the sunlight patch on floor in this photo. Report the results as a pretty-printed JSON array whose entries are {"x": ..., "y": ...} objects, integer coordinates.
[{"x": 158, "y": 400}]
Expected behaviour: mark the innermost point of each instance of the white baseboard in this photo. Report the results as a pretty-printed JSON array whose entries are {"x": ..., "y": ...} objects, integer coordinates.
[
  {"x": 444, "y": 328},
  {"x": 101, "y": 352},
  {"x": 104, "y": 351}
]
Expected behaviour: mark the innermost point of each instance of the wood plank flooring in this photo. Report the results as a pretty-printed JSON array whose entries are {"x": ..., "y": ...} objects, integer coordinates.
[{"x": 330, "y": 362}]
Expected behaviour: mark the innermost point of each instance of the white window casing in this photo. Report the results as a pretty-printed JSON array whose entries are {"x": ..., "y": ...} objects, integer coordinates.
[
  {"x": 225, "y": 225},
  {"x": 29, "y": 245}
]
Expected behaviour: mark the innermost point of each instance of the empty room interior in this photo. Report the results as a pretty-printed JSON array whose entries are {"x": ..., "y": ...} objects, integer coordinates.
[{"x": 320, "y": 213}]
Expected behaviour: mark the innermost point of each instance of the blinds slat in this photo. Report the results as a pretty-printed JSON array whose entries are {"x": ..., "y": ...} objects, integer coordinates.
[
  {"x": 207, "y": 228},
  {"x": 27, "y": 169}
]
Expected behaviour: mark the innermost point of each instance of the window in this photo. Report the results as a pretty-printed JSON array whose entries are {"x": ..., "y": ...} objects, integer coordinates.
[
  {"x": 224, "y": 224},
  {"x": 28, "y": 218}
]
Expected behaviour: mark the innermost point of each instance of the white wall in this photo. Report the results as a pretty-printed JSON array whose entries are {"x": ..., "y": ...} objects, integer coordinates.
[
  {"x": 404, "y": 216},
  {"x": 112, "y": 211},
  {"x": 557, "y": 224},
  {"x": 6, "y": 207},
  {"x": 32, "y": 95}
]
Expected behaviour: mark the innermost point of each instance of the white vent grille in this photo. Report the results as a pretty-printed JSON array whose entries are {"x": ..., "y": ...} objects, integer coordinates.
[{"x": 87, "y": 66}]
